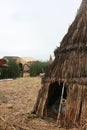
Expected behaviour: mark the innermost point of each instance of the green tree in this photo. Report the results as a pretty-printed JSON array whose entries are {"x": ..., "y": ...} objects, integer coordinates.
[
  {"x": 38, "y": 67},
  {"x": 12, "y": 71}
]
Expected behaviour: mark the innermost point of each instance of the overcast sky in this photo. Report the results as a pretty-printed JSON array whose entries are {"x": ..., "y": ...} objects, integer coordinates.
[{"x": 34, "y": 28}]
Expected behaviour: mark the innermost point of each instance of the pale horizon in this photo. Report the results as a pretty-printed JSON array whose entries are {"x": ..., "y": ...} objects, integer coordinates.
[{"x": 34, "y": 28}]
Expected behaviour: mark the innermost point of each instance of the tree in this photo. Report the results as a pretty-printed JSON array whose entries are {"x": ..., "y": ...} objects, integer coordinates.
[{"x": 12, "y": 71}]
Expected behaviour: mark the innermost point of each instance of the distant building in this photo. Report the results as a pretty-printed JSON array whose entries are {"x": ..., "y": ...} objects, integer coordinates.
[
  {"x": 26, "y": 62},
  {"x": 11, "y": 58},
  {"x": 23, "y": 62}
]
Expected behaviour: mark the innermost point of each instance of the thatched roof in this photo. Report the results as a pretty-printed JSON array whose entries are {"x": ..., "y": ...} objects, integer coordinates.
[
  {"x": 26, "y": 60},
  {"x": 18, "y": 59},
  {"x": 11, "y": 58},
  {"x": 71, "y": 57},
  {"x": 77, "y": 33}
]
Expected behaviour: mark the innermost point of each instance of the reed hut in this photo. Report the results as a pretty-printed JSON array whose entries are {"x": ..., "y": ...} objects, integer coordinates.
[{"x": 64, "y": 87}]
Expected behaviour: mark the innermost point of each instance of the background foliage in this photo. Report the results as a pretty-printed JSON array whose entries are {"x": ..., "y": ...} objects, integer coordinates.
[
  {"x": 12, "y": 71},
  {"x": 38, "y": 67}
]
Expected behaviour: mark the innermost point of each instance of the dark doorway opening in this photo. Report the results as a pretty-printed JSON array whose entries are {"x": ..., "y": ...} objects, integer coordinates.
[
  {"x": 54, "y": 97},
  {"x": 21, "y": 69}
]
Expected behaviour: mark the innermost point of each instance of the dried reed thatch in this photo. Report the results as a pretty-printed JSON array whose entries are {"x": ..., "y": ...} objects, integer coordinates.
[{"x": 64, "y": 87}]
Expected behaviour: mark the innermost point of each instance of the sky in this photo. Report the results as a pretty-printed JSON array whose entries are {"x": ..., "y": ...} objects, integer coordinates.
[{"x": 34, "y": 28}]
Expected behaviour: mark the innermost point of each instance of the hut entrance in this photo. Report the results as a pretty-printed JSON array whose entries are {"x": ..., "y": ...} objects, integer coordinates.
[
  {"x": 54, "y": 98},
  {"x": 21, "y": 69}
]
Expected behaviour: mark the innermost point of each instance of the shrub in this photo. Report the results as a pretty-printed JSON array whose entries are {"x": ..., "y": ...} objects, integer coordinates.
[
  {"x": 38, "y": 67},
  {"x": 12, "y": 71}
]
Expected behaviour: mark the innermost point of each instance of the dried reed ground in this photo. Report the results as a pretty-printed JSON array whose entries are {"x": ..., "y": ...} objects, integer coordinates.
[{"x": 17, "y": 98}]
